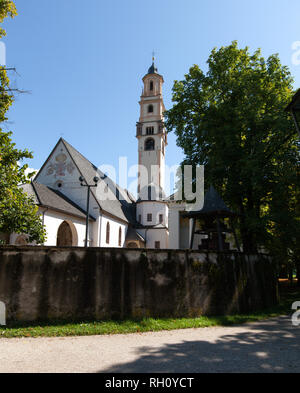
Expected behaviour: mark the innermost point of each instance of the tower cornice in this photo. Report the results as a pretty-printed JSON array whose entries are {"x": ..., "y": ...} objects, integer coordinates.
[{"x": 153, "y": 75}]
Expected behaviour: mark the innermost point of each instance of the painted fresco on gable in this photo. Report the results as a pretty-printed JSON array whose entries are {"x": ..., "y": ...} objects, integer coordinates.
[{"x": 60, "y": 167}]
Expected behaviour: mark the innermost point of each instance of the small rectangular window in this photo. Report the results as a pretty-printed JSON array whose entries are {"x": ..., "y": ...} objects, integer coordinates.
[
  {"x": 157, "y": 245},
  {"x": 161, "y": 218},
  {"x": 140, "y": 218},
  {"x": 149, "y": 217},
  {"x": 150, "y": 130}
]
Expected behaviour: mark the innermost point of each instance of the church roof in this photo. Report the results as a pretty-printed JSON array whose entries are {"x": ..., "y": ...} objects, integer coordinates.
[
  {"x": 133, "y": 235},
  {"x": 213, "y": 205},
  {"x": 153, "y": 69},
  {"x": 47, "y": 197},
  {"x": 123, "y": 206}
]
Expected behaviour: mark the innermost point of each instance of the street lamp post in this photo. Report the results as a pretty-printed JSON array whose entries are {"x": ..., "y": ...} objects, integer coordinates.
[{"x": 84, "y": 183}]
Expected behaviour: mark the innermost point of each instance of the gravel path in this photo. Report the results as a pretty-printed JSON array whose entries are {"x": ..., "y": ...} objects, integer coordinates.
[{"x": 268, "y": 346}]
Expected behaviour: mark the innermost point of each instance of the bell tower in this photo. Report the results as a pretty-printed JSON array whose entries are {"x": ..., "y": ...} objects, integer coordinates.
[
  {"x": 151, "y": 133},
  {"x": 152, "y": 209}
]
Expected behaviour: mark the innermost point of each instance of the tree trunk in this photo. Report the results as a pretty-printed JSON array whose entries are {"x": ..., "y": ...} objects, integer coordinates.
[
  {"x": 248, "y": 237},
  {"x": 291, "y": 276},
  {"x": 298, "y": 272},
  {"x": 249, "y": 246}
]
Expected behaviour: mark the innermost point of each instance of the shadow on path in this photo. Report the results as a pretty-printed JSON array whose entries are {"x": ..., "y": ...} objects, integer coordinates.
[{"x": 268, "y": 346}]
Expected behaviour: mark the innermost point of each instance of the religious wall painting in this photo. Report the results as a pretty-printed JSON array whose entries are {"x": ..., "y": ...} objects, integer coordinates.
[{"x": 61, "y": 166}]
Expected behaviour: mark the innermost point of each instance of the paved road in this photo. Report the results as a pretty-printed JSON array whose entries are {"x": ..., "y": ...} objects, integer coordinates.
[{"x": 268, "y": 346}]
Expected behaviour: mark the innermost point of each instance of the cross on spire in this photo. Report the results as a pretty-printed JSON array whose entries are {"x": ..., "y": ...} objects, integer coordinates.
[{"x": 153, "y": 56}]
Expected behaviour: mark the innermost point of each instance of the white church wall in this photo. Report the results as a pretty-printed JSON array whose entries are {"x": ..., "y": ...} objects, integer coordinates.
[
  {"x": 154, "y": 208},
  {"x": 115, "y": 225},
  {"x": 53, "y": 220},
  {"x": 179, "y": 227},
  {"x": 156, "y": 235},
  {"x": 174, "y": 225},
  {"x": 184, "y": 237},
  {"x": 96, "y": 232}
]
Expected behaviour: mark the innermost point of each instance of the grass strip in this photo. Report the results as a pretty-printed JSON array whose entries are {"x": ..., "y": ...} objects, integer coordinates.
[{"x": 88, "y": 328}]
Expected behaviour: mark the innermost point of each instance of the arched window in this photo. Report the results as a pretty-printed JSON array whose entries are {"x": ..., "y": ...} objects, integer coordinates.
[
  {"x": 151, "y": 86},
  {"x": 150, "y": 109},
  {"x": 120, "y": 237},
  {"x": 107, "y": 233},
  {"x": 149, "y": 144}
]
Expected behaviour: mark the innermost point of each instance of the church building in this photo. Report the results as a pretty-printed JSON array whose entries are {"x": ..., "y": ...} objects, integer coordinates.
[{"x": 116, "y": 218}]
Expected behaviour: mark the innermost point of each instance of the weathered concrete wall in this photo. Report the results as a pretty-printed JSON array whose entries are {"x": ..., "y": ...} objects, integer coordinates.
[{"x": 39, "y": 283}]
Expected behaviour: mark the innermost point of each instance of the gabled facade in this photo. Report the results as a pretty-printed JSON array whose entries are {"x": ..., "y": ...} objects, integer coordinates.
[{"x": 62, "y": 202}]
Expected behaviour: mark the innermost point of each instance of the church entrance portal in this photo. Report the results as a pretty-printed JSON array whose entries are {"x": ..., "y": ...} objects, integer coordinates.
[{"x": 66, "y": 235}]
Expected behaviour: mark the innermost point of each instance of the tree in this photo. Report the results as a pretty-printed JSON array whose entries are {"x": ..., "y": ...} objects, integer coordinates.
[
  {"x": 7, "y": 9},
  {"x": 232, "y": 120},
  {"x": 18, "y": 212}
]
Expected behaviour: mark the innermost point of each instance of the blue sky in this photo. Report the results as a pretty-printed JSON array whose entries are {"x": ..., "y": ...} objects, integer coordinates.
[{"x": 83, "y": 62}]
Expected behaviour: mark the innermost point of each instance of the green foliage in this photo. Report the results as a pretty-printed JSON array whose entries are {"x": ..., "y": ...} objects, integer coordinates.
[
  {"x": 7, "y": 9},
  {"x": 18, "y": 212},
  {"x": 232, "y": 120}
]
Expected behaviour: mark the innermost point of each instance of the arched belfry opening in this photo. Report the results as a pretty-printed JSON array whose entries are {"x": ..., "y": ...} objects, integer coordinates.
[
  {"x": 149, "y": 144},
  {"x": 67, "y": 235}
]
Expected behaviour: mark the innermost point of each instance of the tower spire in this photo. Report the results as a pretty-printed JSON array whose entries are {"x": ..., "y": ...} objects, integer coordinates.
[
  {"x": 153, "y": 57},
  {"x": 153, "y": 69}
]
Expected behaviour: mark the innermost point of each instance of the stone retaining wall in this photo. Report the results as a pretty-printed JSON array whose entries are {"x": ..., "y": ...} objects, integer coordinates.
[{"x": 44, "y": 283}]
